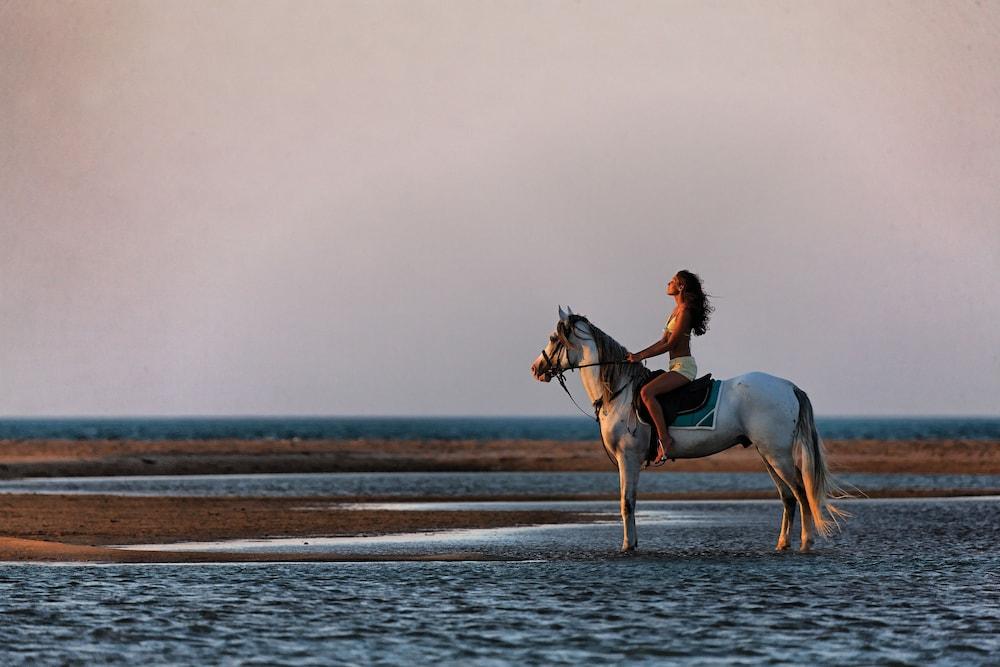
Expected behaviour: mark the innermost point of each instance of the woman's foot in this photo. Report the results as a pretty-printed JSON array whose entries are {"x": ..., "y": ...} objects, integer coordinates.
[{"x": 661, "y": 452}]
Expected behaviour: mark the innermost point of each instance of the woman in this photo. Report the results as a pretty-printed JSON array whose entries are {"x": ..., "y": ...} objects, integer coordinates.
[{"x": 690, "y": 314}]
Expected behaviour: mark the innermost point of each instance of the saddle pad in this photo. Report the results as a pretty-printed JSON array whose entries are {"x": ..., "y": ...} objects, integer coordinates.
[{"x": 703, "y": 418}]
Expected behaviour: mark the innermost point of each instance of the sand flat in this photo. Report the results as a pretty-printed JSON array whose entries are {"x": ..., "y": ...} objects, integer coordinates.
[
  {"x": 70, "y": 458},
  {"x": 98, "y": 520},
  {"x": 80, "y": 528}
]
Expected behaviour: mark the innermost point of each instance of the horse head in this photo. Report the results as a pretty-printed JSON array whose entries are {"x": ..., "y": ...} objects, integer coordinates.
[{"x": 562, "y": 351}]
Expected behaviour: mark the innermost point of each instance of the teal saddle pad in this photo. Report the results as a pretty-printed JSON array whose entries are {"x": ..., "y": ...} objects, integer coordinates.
[{"x": 703, "y": 417}]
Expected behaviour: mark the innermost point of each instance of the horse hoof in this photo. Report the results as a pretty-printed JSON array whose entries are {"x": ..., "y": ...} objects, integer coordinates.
[{"x": 781, "y": 547}]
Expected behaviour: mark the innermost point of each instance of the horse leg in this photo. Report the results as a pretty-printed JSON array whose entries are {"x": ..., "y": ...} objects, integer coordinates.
[
  {"x": 788, "y": 502},
  {"x": 806, "y": 511},
  {"x": 785, "y": 468},
  {"x": 628, "y": 480}
]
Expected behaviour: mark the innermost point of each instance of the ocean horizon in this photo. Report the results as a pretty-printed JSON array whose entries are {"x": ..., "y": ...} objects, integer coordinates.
[{"x": 440, "y": 428}]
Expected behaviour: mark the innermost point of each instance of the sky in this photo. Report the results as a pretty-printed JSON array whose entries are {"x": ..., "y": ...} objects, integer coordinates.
[{"x": 354, "y": 208}]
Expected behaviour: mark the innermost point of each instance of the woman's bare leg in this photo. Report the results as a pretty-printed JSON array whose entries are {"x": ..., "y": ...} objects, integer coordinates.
[{"x": 661, "y": 385}]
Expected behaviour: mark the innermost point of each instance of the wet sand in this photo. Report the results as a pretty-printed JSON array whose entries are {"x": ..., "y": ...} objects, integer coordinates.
[
  {"x": 70, "y": 458},
  {"x": 14, "y": 549},
  {"x": 81, "y": 528},
  {"x": 74, "y": 527}
]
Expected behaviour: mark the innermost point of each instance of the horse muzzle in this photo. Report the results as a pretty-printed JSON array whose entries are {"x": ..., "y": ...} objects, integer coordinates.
[{"x": 538, "y": 373}]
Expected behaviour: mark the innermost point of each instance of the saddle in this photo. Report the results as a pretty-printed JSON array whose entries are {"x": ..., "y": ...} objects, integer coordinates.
[{"x": 690, "y": 397}]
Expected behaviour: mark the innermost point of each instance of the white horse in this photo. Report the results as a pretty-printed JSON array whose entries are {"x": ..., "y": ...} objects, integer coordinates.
[{"x": 769, "y": 412}]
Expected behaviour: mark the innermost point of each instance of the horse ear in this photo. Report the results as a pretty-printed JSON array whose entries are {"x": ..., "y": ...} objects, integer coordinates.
[
  {"x": 569, "y": 311},
  {"x": 562, "y": 314}
]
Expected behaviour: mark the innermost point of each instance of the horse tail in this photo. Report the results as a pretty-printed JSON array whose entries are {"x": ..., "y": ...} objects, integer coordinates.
[{"x": 820, "y": 484}]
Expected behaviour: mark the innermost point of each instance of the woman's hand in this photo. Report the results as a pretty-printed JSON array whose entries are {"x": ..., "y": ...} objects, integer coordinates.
[{"x": 634, "y": 358}]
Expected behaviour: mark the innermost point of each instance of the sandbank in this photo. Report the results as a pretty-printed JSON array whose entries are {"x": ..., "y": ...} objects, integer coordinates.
[
  {"x": 71, "y": 458},
  {"x": 55, "y": 527}
]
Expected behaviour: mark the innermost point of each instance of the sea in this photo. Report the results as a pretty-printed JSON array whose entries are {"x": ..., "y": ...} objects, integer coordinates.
[{"x": 443, "y": 428}]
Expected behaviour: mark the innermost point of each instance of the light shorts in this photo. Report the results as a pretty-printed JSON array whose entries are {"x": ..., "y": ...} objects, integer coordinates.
[{"x": 685, "y": 366}]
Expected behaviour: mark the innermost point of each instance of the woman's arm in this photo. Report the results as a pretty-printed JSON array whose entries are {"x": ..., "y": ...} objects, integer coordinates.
[{"x": 669, "y": 340}]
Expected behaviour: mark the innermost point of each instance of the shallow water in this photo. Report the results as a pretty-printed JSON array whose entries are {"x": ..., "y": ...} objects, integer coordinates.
[
  {"x": 460, "y": 483},
  {"x": 907, "y": 582}
]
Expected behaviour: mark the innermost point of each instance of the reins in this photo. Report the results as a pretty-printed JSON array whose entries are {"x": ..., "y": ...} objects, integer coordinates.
[
  {"x": 560, "y": 375},
  {"x": 601, "y": 363}
]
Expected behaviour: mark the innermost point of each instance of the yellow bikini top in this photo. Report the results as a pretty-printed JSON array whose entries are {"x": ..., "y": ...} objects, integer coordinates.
[{"x": 667, "y": 329}]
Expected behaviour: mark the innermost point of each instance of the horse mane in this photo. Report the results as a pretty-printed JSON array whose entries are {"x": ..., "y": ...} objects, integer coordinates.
[{"x": 613, "y": 377}]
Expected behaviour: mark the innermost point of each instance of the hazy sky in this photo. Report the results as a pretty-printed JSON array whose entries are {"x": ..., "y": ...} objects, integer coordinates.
[{"x": 375, "y": 207}]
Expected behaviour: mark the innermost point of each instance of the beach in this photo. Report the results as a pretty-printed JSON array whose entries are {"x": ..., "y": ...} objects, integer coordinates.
[{"x": 68, "y": 527}]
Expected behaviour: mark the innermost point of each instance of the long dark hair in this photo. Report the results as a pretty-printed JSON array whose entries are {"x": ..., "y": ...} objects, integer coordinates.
[{"x": 696, "y": 302}]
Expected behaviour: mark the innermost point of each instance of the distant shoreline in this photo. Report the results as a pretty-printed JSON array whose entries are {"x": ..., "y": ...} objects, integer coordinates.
[
  {"x": 424, "y": 427},
  {"x": 95, "y": 458}
]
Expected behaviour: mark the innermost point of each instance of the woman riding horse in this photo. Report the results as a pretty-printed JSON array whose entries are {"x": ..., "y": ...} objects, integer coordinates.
[
  {"x": 690, "y": 314},
  {"x": 770, "y": 413}
]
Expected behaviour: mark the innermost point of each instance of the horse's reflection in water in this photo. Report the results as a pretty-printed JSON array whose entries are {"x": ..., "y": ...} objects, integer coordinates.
[{"x": 770, "y": 412}]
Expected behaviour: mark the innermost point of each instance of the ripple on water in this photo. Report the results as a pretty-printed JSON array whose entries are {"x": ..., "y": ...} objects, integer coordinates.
[{"x": 905, "y": 583}]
